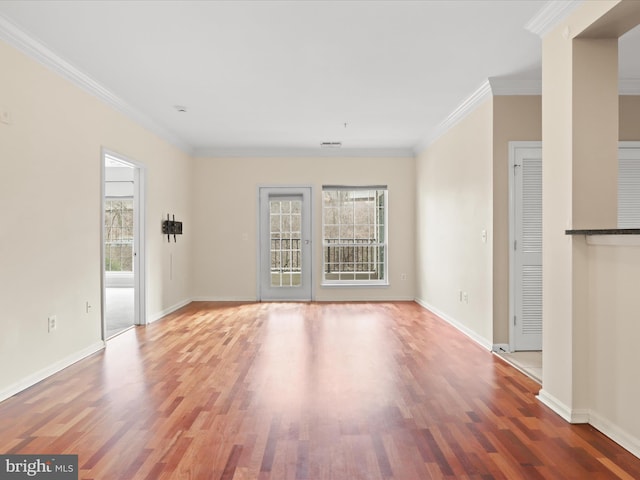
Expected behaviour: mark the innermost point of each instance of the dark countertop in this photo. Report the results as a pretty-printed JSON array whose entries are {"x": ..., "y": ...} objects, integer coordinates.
[{"x": 605, "y": 231}]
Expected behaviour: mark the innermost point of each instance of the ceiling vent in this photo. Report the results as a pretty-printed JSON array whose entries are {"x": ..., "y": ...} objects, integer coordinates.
[{"x": 331, "y": 144}]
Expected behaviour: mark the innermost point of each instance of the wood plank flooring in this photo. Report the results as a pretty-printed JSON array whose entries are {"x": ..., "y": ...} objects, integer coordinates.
[{"x": 302, "y": 391}]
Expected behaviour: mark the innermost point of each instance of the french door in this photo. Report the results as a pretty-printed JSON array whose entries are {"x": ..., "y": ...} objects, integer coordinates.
[{"x": 285, "y": 243}]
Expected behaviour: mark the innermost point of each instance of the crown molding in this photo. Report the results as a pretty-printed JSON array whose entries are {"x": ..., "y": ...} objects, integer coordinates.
[
  {"x": 550, "y": 15},
  {"x": 271, "y": 152},
  {"x": 464, "y": 109},
  {"x": 629, "y": 86},
  {"x": 14, "y": 36},
  {"x": 508, "y": 86}
]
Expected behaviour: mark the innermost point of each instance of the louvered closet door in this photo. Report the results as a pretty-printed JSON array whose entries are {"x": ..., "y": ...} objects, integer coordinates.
[
  {"x": 528, "y": 249},
  {"x": 629, "y": 187}
]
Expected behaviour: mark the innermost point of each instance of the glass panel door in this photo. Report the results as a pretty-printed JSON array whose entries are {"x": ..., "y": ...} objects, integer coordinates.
[
  {"x": 286, "y": 237},
  {"x": 285, "y": 244}
]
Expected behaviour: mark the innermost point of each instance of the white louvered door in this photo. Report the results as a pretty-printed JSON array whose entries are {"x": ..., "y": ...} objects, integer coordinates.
[
  {"x": 527, "y": 245},
  {"x": 526, "y": 232},
  {"x": 629, "y": 185}
]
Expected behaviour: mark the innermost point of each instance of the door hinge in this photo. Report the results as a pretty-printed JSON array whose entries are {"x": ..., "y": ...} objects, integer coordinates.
[
  {"x": 515, "y": 244},
  {"x": 514, "y": 320}
]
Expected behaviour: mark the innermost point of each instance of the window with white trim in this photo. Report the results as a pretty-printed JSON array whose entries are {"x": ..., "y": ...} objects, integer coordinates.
[{"x": 354, "y": 235}]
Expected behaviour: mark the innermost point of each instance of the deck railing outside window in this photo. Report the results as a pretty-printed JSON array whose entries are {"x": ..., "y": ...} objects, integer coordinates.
[{"x": 354, "y": 231}]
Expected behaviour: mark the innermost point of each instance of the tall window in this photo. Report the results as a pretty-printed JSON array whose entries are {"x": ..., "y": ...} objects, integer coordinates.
[
  {"x": 354, "y": 235},
  {"x": 118, "y": 235}
]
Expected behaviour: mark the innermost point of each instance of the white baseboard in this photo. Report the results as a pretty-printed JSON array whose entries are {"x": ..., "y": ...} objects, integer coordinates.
[
  {"x": 566, "y": 412},
  {"x": 254, "y": 300},
  {"x": 615, "y": 433},
  {"x": 224, "y": 299},
  {"x": 608, "y": 428},
  {"x": 158, "y": 315},
  {"x": 34, "y": 378},
  {"x": 463, "y": 328}
]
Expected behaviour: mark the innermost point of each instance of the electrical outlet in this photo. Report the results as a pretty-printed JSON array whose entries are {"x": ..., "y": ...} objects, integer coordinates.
[
  {"x": 403, "y": 276},
  {"x": 460, "y": 296},
  {"x": 465, "y": 297},
  {"x": 52, "y": 323}
]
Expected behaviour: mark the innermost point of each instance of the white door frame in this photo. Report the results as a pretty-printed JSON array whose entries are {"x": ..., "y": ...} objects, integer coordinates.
[
  {"x": 513, "y": 147},
  {"x": 140, "y": 244},
  {"x": 310, "y": 255}
]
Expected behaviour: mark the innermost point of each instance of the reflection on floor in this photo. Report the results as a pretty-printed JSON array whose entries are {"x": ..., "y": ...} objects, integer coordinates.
[
  {"x": 529, "y": 363},
  {"x": 119, "y": 308}
]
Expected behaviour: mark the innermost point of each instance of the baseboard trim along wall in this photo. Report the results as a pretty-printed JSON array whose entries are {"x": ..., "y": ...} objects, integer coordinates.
[
  {"x": 463, "y": 328},
  {"x": 163, "y": 313},
  {"x": 31, "y": 380},
  {"x": 615, "y": 433},
  {"x": 566, "y": 412},
  {"x": 608, "y": 428},
  {"x": 225, "y": 299}
]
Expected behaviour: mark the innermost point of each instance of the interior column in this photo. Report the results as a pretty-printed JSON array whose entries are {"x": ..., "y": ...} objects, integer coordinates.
[{"x": 580, "y": 142}]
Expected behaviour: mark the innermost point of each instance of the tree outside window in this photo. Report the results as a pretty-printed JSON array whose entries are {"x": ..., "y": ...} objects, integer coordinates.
[{"x": 118, "y": 233}]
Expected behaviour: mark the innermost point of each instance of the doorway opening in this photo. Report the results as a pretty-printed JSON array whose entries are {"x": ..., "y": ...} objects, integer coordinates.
[
  {"x": 122, "y": 245},
  {"x": 525, "y": 258}
]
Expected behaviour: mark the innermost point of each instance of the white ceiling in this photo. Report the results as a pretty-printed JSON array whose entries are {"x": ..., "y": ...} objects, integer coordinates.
[{"x": 287, "y": 75}]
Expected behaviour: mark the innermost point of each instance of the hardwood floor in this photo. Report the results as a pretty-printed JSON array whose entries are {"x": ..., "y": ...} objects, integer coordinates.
[{"x": 302, "y": 391}]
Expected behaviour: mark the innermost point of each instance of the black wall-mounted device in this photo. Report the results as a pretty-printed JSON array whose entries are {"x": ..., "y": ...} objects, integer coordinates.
[{"x": 171, "y": 227}]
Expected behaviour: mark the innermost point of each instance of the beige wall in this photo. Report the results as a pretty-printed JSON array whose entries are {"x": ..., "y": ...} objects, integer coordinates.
[
  {"x": 614, "y": 330},
  {"x": 515, "y": 118},
  {"x": 629, "y": 117},
  {"x": 50, "y": 161},
  {"x": 508, "y": 118},
  {"x": 454, "y": 205},
  {"x": 225, "y": 203}
]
